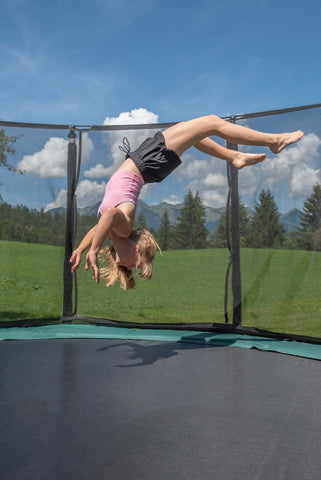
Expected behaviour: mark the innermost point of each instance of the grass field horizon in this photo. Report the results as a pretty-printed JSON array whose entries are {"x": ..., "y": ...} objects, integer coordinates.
[{"x": 280, "y": 288}]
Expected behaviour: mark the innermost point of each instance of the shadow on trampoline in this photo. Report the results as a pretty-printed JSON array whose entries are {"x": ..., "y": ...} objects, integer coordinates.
[{"x": 149, "y": 354}]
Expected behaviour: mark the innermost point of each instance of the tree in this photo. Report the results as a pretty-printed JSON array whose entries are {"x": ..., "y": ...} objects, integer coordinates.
[
  {"x": 6, "y": 149},
  {"x": 200, "y": 232},
  {"x": 309, "y": 233},
  {"x": 190, "y": 230},
  {"x": 165, "y": 233},
  {"x": 141, "y": 222},
  {"x": 265, "y": 229},
  {"x": 218, "y": 238}
]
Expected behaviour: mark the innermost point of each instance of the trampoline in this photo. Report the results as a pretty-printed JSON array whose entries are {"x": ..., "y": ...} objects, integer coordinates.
[
  {"x": 235, "y": 396},
  {"x": 125, "y": 408}
]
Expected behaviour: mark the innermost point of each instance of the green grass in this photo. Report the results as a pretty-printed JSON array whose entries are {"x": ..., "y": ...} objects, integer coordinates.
[
  {"x": 280, "y": 288},
  {"x": 30, "y": 281}
]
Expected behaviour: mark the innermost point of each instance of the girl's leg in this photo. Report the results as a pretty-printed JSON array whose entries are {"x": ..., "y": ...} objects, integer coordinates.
[
  {"x": 238, "y": 159},
  {"x": 182, "y": 136}
]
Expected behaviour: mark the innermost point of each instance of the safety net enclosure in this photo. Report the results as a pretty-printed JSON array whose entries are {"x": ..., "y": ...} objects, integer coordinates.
[
  {"x": 249, "y": 258},
  {"x": 103, "y": 383},
  {"x": 32, "y": 237}
]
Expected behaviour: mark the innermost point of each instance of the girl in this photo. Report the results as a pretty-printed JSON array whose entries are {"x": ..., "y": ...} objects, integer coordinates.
[{"x": 153, "y": 161}]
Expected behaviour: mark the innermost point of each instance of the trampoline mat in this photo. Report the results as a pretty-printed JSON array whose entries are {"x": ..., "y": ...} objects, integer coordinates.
[{"x": 138, "y": 409}]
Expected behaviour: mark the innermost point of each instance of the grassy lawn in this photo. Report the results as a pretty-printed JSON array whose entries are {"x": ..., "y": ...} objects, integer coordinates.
[
  {"x": 30, "y": 281},
  {"x": 280, "y": 288},
  {"x": 187, "y": 286}
]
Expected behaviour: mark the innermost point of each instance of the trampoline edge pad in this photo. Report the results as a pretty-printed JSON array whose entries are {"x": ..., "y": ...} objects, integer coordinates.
[{"x": 288, "y": 347}]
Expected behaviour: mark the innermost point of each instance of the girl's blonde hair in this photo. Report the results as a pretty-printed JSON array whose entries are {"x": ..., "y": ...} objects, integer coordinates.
[{"x": 147, "y": 250}]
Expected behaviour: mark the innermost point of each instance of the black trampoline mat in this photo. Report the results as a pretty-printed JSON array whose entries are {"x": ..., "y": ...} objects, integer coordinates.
[{"x": 96, "y": 409}]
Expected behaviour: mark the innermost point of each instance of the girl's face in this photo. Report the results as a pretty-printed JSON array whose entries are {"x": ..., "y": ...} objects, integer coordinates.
[
  {"x": 126, "y": 258},
  {"x": 126, "y": 252},
  {"x": 128, "y": 255}
]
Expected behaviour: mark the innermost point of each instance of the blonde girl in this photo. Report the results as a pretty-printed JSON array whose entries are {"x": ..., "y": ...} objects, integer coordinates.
[{"x": 153, "y": 161}]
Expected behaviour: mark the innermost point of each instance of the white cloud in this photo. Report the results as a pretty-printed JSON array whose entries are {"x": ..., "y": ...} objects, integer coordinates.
[
  {"x": 213, "y": 180},
  {"x": 251, "y": 180},
  {"x": 173, "y": 200},
  {"x": 88, "y": 193},
  {"x": 135, "y": 137},
  {"x": 192, "y": 168},
  {"x": 51, "y": 161},
  {"x": 99, "y": 171},
  {"x": 135, "y": 116},
  {"x": 146, "y": 190},
  {"x": 302, "y": 181},
  {"x": 60, "y": 201},
  {"x": 296, "y": 165},
  {"x": 214, "y": 198},
  {"x": 207, "y": 176}
]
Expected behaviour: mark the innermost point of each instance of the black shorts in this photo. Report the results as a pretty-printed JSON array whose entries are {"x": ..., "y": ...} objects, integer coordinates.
[{"x": 153, "y": 160}]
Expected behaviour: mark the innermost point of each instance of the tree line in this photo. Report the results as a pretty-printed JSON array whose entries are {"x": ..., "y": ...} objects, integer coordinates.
[{"x": 263, "y": 229}]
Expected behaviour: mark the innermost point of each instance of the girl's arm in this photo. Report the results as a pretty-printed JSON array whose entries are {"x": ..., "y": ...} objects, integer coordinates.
[
  {"x": 84, "y": 244},
  {"x": 111, "y": 218}
]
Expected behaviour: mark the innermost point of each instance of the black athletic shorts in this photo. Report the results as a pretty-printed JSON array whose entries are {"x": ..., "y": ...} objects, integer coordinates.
[{"x": 153, "y": 160}]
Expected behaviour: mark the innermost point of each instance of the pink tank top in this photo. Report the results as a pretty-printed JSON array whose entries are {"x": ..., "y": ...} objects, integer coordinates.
[{"x": 123, "y": 186}]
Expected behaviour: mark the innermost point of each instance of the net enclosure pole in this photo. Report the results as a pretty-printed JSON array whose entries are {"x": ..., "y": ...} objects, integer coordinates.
[
  {"x": 70, "y": 224},
  {"x": 235, "y": 239}
]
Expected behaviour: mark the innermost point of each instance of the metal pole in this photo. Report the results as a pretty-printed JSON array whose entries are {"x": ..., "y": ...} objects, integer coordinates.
[
  {"x": 70, "y": 224},
  {"x": 235, "y": 240}
]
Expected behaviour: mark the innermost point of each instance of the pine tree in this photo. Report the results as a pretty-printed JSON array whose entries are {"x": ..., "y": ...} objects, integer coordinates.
[
  {"x": 218, "y": 238},
  {"x": 165, "y": 233},
  {"x": 141, "y": 222},
  {"x": 309, "y": 233},
  {"x": 265, "y": 229},
  {"x": 190, "y": 230}
]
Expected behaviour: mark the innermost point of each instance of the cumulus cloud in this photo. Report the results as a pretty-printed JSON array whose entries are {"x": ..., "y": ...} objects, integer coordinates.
[
  {"x": 193, "y": 168},
  {"x": 98, "y": 171},
  {"x": 214, "y": 198},
  {"x": 114, "y": 139},
  {"x": 88, "y": 193},
  {"x": 173, "y": 200},
  {"x": 60, "y": 201},
  {"x": 302, "y": 181},
  {"x": 205, "y": 175},
  {"x": 213, "y": 180},
  {"x": 296, "y": 165},
  {"x": 51, "y": 161}
]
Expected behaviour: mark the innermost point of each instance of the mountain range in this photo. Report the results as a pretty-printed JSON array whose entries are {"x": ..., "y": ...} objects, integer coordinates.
[{"x": 153, "y": 215}]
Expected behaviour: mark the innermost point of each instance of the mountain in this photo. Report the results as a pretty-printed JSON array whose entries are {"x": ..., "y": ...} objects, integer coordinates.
[
  {"x": 291, "y": 220},
  {"x": 153, "y": 215}
]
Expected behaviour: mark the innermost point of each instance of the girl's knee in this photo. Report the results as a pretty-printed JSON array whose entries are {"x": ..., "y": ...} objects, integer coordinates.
[{"x": 214, "y": 119}]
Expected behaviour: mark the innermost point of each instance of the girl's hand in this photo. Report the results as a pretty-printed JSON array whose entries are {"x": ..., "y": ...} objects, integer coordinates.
[
  {"x": 92, "y": 261},
  {"x": 75, "y": 259}
]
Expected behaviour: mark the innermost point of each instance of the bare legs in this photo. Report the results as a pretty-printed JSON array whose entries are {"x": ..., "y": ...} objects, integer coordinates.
[
  {"x": 239, "y": 159},
  {"x": 182, "y": 136}
]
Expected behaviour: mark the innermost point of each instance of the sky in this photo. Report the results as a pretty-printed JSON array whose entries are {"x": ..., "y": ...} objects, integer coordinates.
[{"x": 136, "y": 61}]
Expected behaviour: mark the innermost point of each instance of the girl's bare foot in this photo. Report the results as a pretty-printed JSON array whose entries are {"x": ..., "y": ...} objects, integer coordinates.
[
  {"x": 245, "y": 159},
  {"x": 284, "y": 140}
]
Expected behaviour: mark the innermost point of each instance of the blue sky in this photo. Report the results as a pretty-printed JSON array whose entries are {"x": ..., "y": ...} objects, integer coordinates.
[
  {"x": 86, "y": 62},
  {"x": 80, "y": 61}
]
